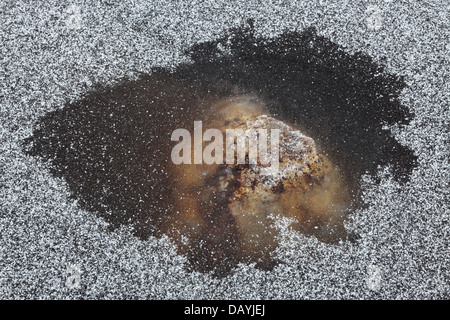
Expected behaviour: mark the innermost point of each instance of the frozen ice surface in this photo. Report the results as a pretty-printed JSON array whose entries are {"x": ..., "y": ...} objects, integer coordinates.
[{"x": 50, "y": 55}]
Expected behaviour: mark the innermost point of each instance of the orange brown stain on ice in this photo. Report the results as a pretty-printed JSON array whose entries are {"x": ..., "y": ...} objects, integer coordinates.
[{"x": 306, "y": 188}]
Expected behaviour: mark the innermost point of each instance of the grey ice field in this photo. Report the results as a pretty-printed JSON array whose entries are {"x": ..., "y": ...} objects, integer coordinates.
[{"x": 54, "y": 51}]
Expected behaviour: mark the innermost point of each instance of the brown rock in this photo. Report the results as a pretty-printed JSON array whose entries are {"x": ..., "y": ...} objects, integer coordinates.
[{"x": 225, "y": 213}]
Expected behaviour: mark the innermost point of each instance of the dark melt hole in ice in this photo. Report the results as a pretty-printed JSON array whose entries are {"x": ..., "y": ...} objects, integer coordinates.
[{"x": 113, "y": 145}]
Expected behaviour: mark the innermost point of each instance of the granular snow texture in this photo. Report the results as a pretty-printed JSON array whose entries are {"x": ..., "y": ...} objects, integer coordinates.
[{"x": 52, "y": 54}]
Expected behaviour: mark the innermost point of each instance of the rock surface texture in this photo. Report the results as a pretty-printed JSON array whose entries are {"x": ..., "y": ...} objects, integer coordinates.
[{"x": 229, "y": 212}]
